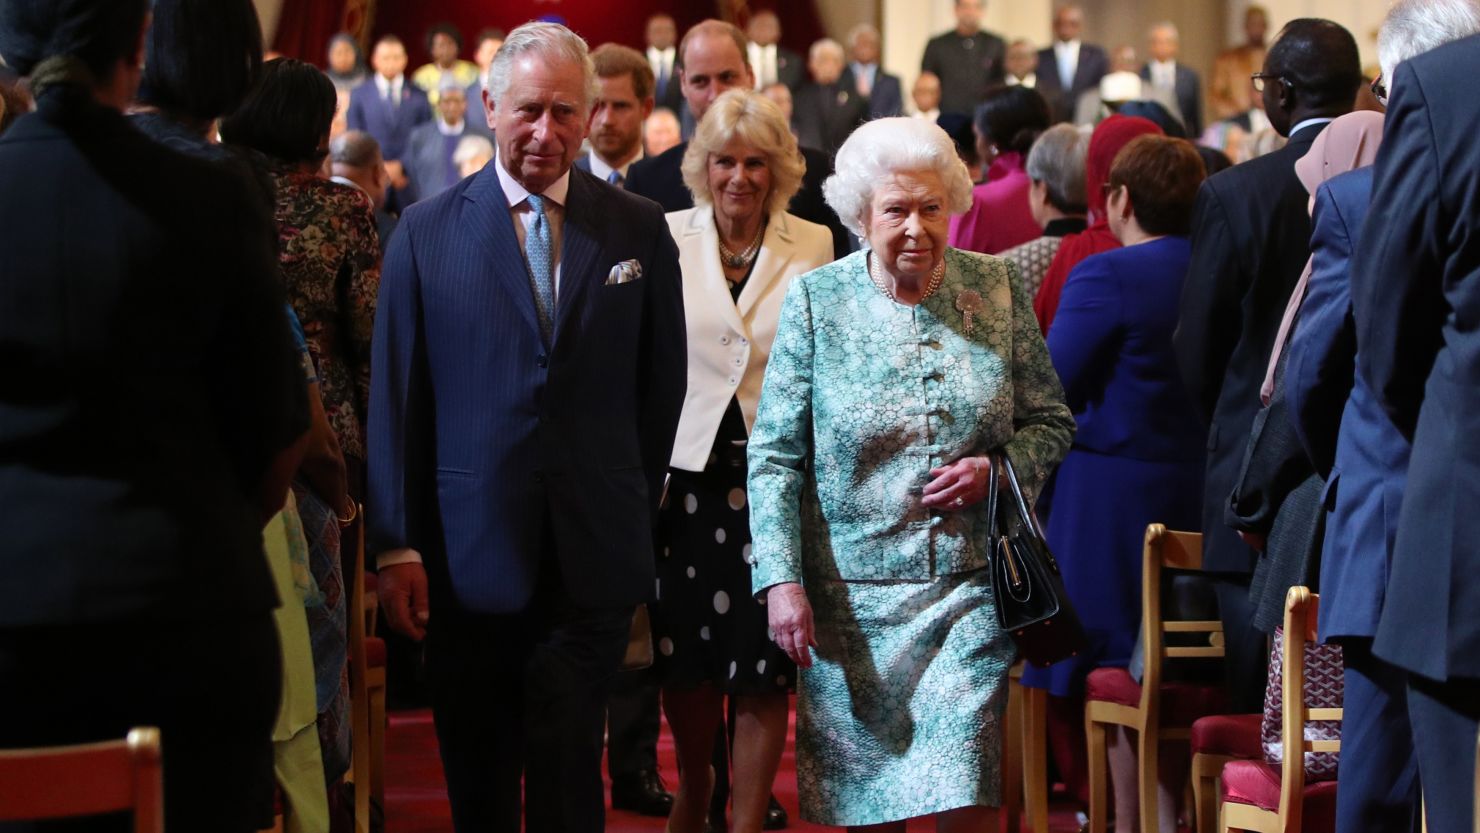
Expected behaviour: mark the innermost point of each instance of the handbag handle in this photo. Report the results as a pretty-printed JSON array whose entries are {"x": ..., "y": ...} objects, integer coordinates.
[
  {"x": 1024, "y": 514},
  {"x": 991, "y": 501}
]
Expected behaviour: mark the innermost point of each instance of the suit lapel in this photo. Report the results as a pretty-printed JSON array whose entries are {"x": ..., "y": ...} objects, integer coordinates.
[
  {"x": 776, "y": 252},
  {"x": 486, "y": 219},
  {"x": 701, "y": 232},
  {"x": 579, "y": 247}
]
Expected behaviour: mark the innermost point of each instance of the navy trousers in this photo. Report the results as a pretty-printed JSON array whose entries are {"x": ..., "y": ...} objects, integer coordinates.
[
  {"x": 1445, "y": 717},
  {"x": 1379, "y": 771}
]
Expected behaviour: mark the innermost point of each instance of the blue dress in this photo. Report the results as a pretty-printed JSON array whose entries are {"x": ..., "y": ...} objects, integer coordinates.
[
  {"x": 1138, "y": 456},
  {"x": 899, "y": 715}
]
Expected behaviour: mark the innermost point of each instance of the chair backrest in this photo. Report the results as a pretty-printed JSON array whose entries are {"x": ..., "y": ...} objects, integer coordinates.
[
  {"x": 1302, "y": 611},
  {"x": 1169, "y": 550},
  {"x": 86, "y": 779}
]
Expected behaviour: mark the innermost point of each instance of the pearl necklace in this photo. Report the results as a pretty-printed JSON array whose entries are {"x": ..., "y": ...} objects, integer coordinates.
[
  {"x": 875, "y": 274},
  {"x": 743, "y": 259}
]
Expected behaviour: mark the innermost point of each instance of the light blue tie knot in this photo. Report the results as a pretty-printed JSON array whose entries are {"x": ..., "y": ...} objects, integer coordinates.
[{"x": 537, "y": 251}]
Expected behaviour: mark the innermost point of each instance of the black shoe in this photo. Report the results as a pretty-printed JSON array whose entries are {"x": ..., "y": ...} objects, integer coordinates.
[
  {"x": 775, "y": 816},
  {"x": 642, "y": 793}
]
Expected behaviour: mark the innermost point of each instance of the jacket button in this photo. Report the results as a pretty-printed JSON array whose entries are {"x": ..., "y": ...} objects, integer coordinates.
[
  {"x": 724, "y": 339},
  {"x": 734, "y": 381},
  {"x": 543, "y": 361}
]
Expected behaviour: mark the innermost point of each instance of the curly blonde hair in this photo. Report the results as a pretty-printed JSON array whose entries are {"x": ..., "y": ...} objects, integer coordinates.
[{"x": 756, "y": 120}]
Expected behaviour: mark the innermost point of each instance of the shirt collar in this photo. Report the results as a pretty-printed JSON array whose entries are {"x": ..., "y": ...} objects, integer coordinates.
[
  {"x": 386, "y": 85},
  {"x": 1030, "y": 81},
  {"x": 516, "y": 193},
  {"x": 1066, "y": 46},
  {"x": 451, "y": 129},
  {"x": 603, "y": 171},
  {"x": 1307, "y": 123}
]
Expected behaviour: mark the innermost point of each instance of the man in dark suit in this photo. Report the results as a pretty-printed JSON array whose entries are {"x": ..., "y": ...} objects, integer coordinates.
[
  {"x": 662, "y": 55},
  {"x": 864, "y": 75},
  {"x": 967, "y": 60},
  {"x": 530, "y": 369},
  {"x": 389, "y": 108},
  {"x": 1070, "y": 66},
  {"x": 771, "y": 62},
  {"x": 429, "y": 151},
  {"x": 1164, "y": 71},
  {"x": 1415, "y": 287},
  {"x": 712, "y": 60},
  {"x": 1250, "y": 242},
  {"x": 827, "y": 109}
]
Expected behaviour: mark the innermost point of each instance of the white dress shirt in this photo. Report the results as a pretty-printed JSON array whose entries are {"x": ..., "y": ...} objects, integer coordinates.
[
  {"x": 1030, "y": 80},
  {"x": 523, "y": 218},
  {"x": 763, "y": 61},
  {"x": 601, "y": 170},
  {"x": 660, "y": 60},
  {"x": 1066, "y": 55},
  {"x": 1164, "y": 74},
  {"x": 928, "y": 115},
  {"x": 1307, "y": 123},
  {"x": 864, "y": 76},
  {"x": 390, "y": 90}
]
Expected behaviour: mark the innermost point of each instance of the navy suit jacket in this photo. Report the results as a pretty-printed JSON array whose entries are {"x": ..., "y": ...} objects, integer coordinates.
[
  {"x": 1349, "y": 439},
  {"x": 427, "y": 158},
  {"x": 1063, "y": 95},
  {"x": 885, "y": 98},
  {"x": 1416, "y": 296},
  {"x": 492, "y": 453},
  {"x": 1250, "y": 242},
  {"x": 1188, "y": 93},
  {"x": 391, "y": 126}
]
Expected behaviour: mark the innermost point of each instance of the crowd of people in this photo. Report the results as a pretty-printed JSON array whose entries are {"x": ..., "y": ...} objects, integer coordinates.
[{"x": 717, "y": 334}]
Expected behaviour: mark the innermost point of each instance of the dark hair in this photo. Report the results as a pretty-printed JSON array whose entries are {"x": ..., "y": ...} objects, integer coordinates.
[
  {"x": 493, "y": 33},
  {"x": 1321, "y": 61},
  {"x": 1152, "y": 111},
  {"x": 287, "y": 115},
  {"x": 1011, "y": 118},
  {"x": 958, "y": 127},
  {"x": 447, "y": 29},
  {"x": 96, "y": 33},
  {"x": 202, "y": 56},
  {"x": 612, "y": 60},
  {"x": 1162, "y": 175},
  {"x": 1214, "y": 159},
  {"x": 388, "y": 40}
]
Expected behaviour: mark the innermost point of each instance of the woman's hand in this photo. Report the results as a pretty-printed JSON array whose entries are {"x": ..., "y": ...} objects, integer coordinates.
[
  {"x": 957, "y": 485},
  {"x": 789, "y": 616}
]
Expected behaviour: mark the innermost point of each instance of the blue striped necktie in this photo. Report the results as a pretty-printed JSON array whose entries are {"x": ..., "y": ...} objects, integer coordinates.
[{"x": 537, "y": 252}]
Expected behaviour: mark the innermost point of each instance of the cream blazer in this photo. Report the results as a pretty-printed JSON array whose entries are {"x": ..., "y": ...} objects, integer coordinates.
[{"x": 729, "y": 341}]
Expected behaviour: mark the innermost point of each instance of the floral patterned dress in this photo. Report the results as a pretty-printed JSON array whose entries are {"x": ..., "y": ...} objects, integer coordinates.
[
  {"x": 899, "y": 715},
  {"x": 329, "y": 250}
]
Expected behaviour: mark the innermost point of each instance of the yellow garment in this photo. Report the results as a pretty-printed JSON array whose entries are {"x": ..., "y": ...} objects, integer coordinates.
[
  {"x": 297, "y": 761},
  {"x": 429, "y": 77}
]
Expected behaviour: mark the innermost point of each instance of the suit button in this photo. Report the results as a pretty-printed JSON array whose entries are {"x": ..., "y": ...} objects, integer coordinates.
[
  {"x": 743, "y": 341},
  {"x": 543, "y": 361},
  {"x": 737, "y": 361},
  {"x": 724, "y": 339},
  {"x": 734, "y": 380}
]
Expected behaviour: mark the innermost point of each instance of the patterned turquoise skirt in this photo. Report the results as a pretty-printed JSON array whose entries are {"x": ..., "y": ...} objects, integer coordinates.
[{"x": 900, "y": 714}]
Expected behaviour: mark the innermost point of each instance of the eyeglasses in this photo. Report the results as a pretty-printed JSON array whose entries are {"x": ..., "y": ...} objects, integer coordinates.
[
  {"x": 1380, "y": 90},
  {"x": 1259, "y": 79}
]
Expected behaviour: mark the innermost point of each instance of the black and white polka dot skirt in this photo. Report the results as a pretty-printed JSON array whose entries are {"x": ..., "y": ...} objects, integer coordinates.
[{"x": 707, "y": 627}]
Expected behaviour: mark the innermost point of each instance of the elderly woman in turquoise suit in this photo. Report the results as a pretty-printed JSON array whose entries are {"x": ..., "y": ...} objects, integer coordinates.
[{"x": 894, "y": 372}]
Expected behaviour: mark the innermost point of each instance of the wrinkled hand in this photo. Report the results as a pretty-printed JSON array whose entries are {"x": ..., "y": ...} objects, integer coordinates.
[
  {"x": 965, "y": 479},
  {"x": 403, "y": 597},
  {"x": 789, "y": 615}
]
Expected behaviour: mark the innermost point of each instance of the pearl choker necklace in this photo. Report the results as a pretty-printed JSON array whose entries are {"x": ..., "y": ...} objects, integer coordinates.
[{"x": 876, "y": 274}]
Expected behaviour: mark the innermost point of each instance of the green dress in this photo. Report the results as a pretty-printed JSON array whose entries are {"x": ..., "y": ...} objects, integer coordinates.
[{"x": 899, "y": 715}]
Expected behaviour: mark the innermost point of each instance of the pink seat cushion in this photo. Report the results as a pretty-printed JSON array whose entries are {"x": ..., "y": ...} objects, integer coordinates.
[
  {"x": 1181, "y": 703},
  {"x": 1234, "y": 735},
  {"x": 1258, "y": 783}
]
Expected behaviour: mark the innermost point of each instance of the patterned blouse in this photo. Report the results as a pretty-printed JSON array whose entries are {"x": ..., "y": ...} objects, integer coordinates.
[
  {"x": 330, "y": 255},
  {"x": 863, "y": 396},
  {"x": 1033, "y": 257}
]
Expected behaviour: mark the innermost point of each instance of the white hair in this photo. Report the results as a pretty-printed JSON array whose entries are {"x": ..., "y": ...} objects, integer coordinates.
[
  {"x": 862, "y": 29},
  {"x": 472, "y": 147},
  {"x": 827, "y": 45},
  {"x": 550, "y": 41},
  {"x": 1413, "y": 27},
  {"x": 1167, "y": 25},
  {"x": 884, "y": 147}
]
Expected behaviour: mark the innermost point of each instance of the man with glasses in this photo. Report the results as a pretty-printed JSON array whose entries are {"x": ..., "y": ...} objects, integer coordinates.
[{"x": 1250, "y": 241}]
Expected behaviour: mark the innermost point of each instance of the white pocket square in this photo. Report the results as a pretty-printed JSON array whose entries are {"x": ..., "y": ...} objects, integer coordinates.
[{"x": 624, "y": 272}]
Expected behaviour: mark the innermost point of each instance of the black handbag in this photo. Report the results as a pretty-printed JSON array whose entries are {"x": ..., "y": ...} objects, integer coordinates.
[{"x": 1032, "y": 604}]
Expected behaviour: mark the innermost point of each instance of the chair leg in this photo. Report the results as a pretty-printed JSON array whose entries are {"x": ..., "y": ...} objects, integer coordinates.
[
  {"x": 1010, "y": 818},
  {"x": 377, "y": 744},
  {"x": 1035, "y": 757},
  {"x": 1148, "y": 763},
  {"x": 1098, "y": 766}
]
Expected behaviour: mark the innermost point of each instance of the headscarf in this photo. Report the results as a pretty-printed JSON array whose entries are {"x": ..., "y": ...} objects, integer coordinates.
[
  {"x": 1348, "y": 143},
  {"x": 1109, "y": 137}
]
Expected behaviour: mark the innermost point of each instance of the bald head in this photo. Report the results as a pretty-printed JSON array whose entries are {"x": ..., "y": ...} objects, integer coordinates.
[{"x": 1068, "y": 23}]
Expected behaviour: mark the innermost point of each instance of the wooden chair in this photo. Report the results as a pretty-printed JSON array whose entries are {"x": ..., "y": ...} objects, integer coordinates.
[
  {"x": 1218, "y": 740},
  {"x": 366, "y": 691},
  {"x": 65, "y": 781},
  {"x": 1024, "y": 757},
  {"x": 1266, "y": 799},
  {"x": 1156, "y": 710}
]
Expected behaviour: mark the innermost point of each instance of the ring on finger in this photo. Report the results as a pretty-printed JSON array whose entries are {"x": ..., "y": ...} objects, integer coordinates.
[{"x": 959, "y": 502}]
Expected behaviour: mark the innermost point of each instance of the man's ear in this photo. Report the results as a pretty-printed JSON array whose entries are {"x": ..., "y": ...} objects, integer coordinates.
[{"x": 489, "y": 107}]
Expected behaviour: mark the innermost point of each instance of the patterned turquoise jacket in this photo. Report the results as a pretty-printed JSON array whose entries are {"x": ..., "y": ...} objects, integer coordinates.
[{"x": 863, "y": 396}]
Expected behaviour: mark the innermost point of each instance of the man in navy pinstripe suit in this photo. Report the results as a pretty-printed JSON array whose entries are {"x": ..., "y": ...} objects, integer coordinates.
[{"x": 529, "y": 362}]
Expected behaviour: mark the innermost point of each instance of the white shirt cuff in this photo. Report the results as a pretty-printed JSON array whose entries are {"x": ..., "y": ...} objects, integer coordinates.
[{"x": 391, "y": 558}]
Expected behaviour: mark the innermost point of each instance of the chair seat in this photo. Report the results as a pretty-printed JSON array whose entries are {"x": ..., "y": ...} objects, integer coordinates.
[
  {"x": 1234, "y": 735},
  {"x": 1181, "y": 703},
  {"x": 1258, "y": 784},
  {"x": 374, "y": 652}
]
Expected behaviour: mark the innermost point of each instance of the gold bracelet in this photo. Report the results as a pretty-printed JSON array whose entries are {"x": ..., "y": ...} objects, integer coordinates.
[{"x": 354, "y": 512}]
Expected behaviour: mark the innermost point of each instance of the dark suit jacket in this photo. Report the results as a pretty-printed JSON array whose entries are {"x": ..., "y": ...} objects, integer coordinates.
[
  {"x": 885, "y": 99},
  {"x": 148, "y": 376},
  {"x": 427, "y": 158},
  {"x": 1250, "y": 241},
  {"x": 1189, "y": 97},
  {"x": 391, "y": 126},
  {"x": 791, "y": 68},
  {"x": 659, "y": 179},
  {"x": 1416, "y": 292},
  {"x": 1064, "y": 95},
  {"x": 1341, "y": 425},
  {"x": 965, "y": 73},
  {"x": 826, "y": 116},
  {"x": 490, "y": 452}
]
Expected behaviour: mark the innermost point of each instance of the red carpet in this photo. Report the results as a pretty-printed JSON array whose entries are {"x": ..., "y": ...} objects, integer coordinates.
[{"x": 416, "y": 795}]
